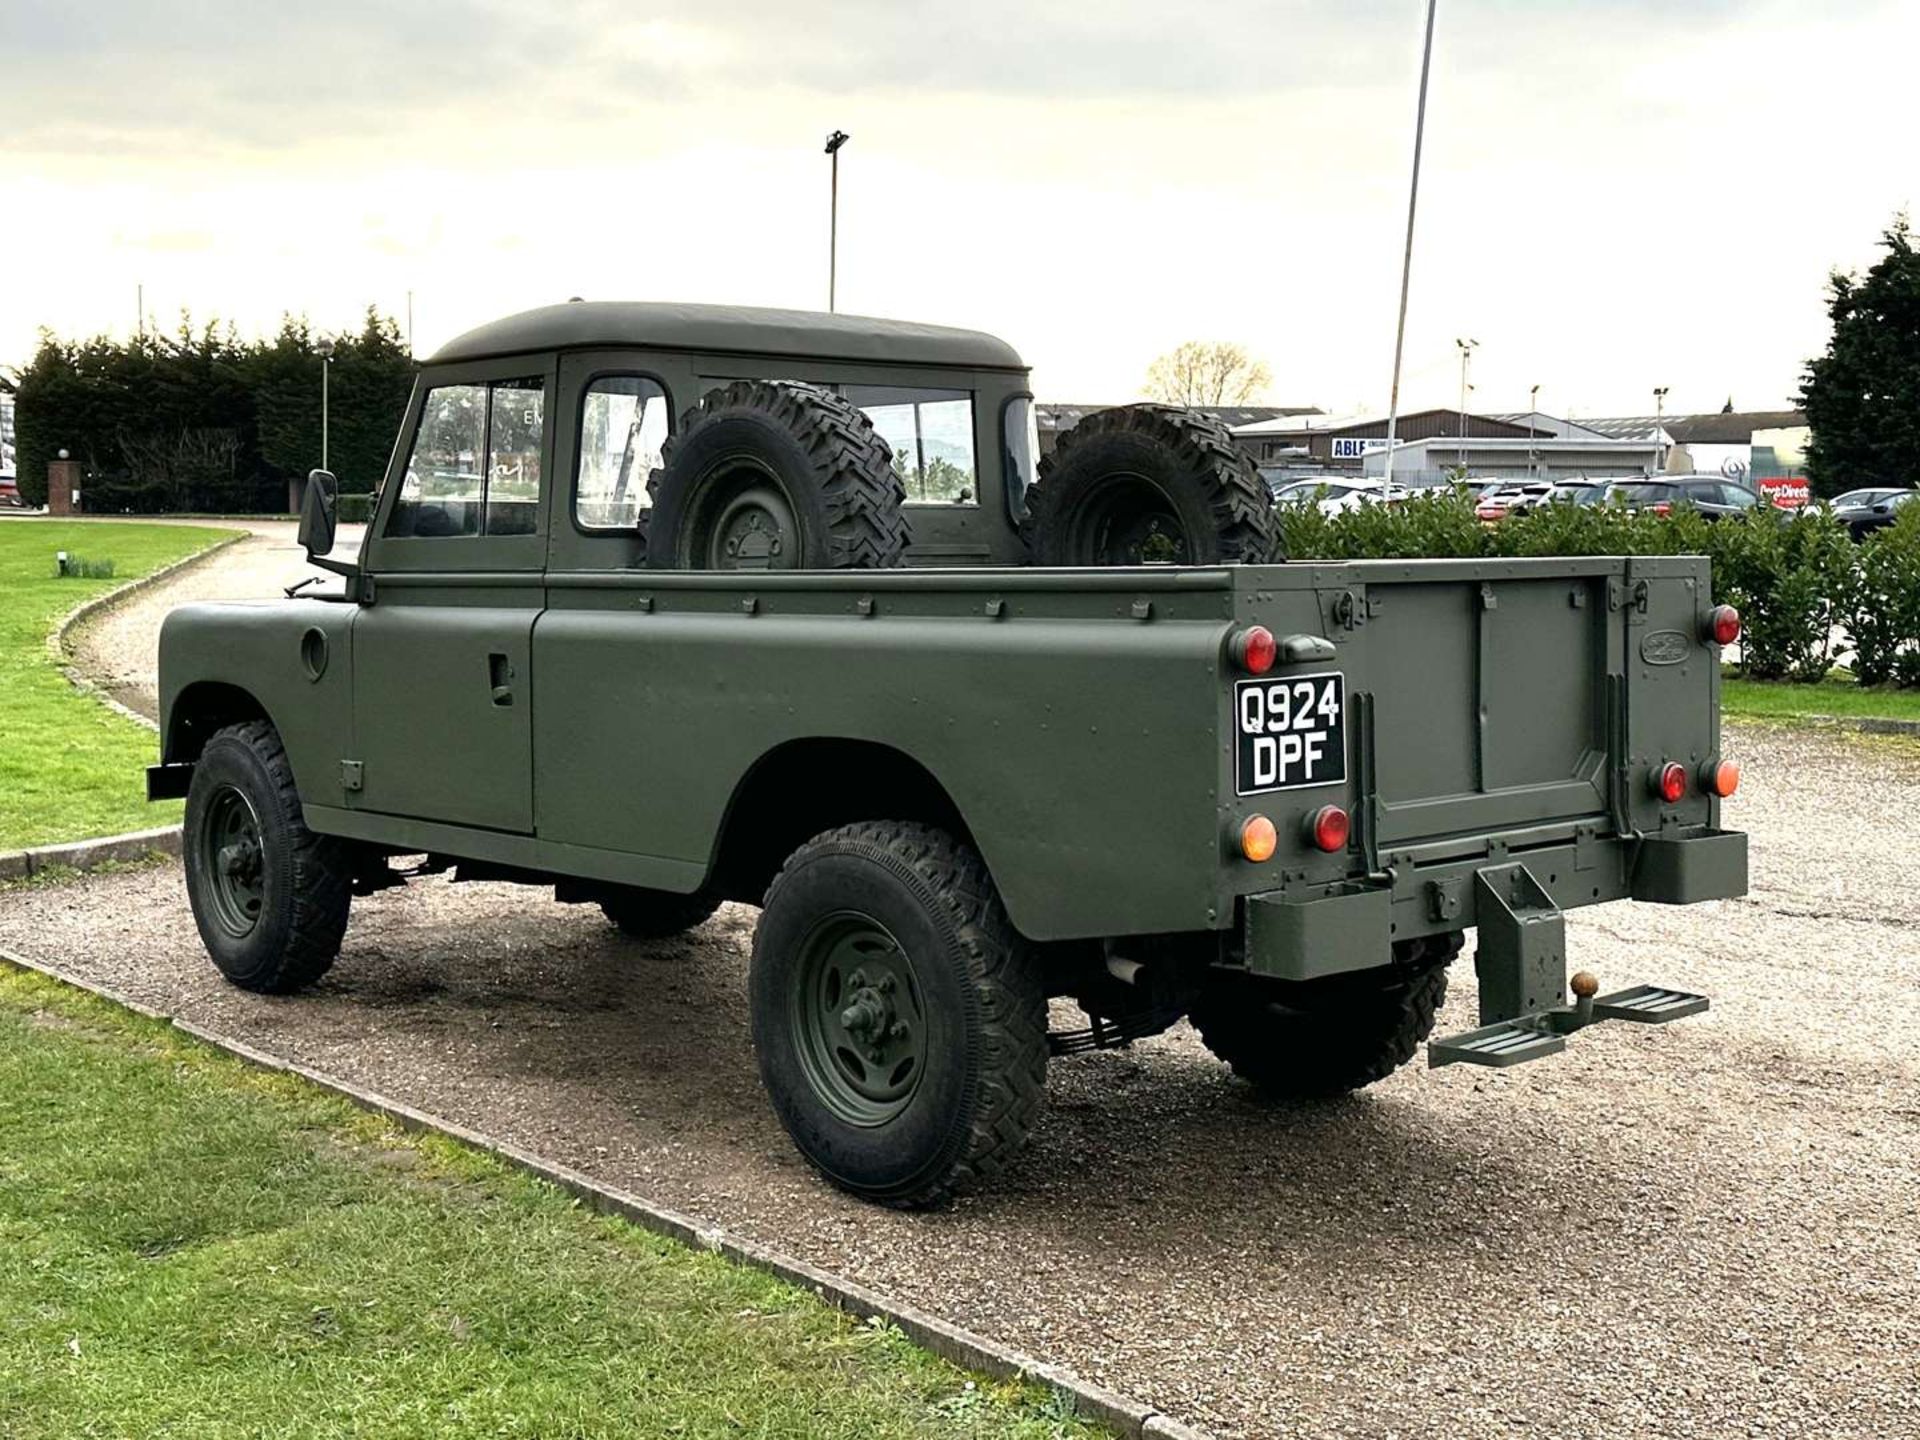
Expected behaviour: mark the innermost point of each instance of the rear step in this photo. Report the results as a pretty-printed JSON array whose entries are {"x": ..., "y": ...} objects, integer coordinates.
[{"x": 1534, "y": 1037}]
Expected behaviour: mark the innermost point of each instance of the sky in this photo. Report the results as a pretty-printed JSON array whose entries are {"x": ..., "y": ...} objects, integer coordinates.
[{"x": 1617, "y": 194}]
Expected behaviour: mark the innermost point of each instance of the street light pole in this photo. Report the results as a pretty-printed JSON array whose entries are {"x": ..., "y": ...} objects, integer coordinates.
[
  {"x": 324, "y": 349},
  {"x": 1533, "y": 411},
  {"x": 1660, "y": 425},
  {"x": 1467, "y": 348},
  {"x": 834, "y": 142},
  {"x": 1406, "y": 262}
]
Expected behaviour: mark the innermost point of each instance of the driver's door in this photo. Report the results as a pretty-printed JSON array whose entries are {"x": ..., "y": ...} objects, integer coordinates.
[{"x": 442, "y": 656}]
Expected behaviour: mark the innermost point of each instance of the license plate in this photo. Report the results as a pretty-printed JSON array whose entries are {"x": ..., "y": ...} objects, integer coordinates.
[{"x": 1291, "y": 733}]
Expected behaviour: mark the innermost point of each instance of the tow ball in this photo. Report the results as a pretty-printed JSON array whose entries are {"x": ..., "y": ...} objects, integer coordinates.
[{"x": 1520, "y": 960}]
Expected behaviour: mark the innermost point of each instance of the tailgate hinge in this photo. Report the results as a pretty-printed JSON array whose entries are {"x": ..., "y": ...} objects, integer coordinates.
[{"x": 352, "y": 775}]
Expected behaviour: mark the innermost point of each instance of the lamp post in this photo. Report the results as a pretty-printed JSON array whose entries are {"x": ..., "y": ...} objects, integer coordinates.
[
  {"x": 1533, "y": 411},
  {"x": 1406, "y": 261},
  {"x": 1660, "y": 425},
  {"x": 1467, "y": 347},
  {"x": 834, "y": 142},
  {"x": 324, "y": 349}
]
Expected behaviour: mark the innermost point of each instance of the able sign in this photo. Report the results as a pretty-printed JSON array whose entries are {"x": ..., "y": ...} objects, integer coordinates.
[{"x": 1292, "y": 733}]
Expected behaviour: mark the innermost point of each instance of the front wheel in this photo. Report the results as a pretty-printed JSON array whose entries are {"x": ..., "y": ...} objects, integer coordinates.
[
  {"x": 899, "y": 1019},
  {"x": 270, "y": 897}
]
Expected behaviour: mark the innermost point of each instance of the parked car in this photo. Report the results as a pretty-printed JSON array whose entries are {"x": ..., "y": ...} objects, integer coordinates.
[
  {"x": 1332, "y": 496},
  {"x": 1864, "y": 511},
  {"x": 1579, "y": 492},
  {"x": 1512, "y": 498},
  {"x": 1712, "y": 496},
  {"x": 10, "y": 494}
]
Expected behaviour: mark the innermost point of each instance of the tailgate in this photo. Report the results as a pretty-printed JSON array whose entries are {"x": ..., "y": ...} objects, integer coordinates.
[{"x": 1498, "y": 693}]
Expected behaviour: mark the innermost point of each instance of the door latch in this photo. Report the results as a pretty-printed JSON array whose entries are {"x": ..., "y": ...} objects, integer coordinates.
[{"x": 500, "y": 678}]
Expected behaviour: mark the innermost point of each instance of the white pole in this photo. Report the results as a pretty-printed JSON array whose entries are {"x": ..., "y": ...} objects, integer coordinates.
[{"x": 1406, "y": 263}]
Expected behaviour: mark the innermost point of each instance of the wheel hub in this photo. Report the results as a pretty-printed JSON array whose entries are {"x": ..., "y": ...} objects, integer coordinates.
[
  {"x": 233, "y": 861},
  {"x": 857, "y": 1022}
]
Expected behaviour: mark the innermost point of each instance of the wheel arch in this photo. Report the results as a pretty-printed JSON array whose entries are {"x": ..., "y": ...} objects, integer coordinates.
[
  {"x": 803, "y": 787},
  {"x": 201, "y": 709}
]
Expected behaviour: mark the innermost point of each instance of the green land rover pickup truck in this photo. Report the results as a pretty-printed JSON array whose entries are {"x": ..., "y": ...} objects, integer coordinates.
[{"x": 661, "y": 606}]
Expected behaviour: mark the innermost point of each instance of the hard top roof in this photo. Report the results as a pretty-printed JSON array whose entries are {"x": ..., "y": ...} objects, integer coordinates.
[{"x": 623, "y": 324}]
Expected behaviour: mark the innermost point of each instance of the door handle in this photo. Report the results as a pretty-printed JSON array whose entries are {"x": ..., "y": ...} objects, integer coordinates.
[{"x": 500, "y": 678}]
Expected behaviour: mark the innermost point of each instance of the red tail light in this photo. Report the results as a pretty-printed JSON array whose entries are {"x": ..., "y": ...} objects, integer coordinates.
[
  {"x": 1720, "y": 777},
  {"x": 1662, "y": 507},
  {"x": 1254, "y": 649},
  {"x": 1327, "y": 829},
  {"x": 1670, "y": 782},
  {"x": 1723, "y": 625}
]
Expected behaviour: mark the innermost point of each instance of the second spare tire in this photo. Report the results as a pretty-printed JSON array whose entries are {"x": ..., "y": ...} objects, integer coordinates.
[
  {"x": 1150, "y": 484},
  {"x": 775, "y": 475}
]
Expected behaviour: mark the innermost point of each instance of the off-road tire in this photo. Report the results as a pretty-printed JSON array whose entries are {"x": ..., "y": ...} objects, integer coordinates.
[
  {"x": 1150, "y": 483},
  {"x": 1327, "y": 1037},
  {"x": 656, "y": 914},
  {"x": 830, "y": 497},
  {"x": 984, "y": 1069},
  {"x": 304, "y": 879}
]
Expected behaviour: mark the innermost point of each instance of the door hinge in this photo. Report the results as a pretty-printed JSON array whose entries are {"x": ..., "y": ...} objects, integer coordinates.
[{"x": 352, "y": 774}]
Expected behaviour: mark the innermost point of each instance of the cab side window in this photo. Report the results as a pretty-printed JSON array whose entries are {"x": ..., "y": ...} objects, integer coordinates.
[
  {"x": 475, "y": 465},
  {"x": 623, "y": 424}
]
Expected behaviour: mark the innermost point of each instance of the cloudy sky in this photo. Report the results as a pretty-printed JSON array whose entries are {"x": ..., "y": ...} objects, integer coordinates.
[{"x": 1618, "y": 193}]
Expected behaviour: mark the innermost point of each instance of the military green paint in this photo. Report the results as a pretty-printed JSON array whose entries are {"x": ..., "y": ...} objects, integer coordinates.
[{"x": 540, "y": 701}]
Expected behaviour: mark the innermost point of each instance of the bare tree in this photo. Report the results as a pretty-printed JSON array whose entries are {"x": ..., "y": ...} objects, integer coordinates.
[{"x": 1208, "y": 372}]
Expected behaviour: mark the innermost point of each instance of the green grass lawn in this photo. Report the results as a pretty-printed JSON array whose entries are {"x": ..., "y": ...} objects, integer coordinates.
[
  {"x": 70, "y": 768},
  {"x": 192, "y": 1247},
  {"x": 1838, "y": 694}
]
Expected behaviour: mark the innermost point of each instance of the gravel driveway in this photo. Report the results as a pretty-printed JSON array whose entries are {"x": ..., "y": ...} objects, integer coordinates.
[{"x": 1708, "y": 1229}]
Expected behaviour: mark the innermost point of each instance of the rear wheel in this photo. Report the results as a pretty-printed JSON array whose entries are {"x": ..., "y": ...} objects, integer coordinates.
[
  {"x": 1322, "y": 1038},
  {"x": 899, "y": 1020},
  {"x": 1146, "y": 485},
  {"x": 656, "y": 914},
  {"x": 270, "y": 897}
]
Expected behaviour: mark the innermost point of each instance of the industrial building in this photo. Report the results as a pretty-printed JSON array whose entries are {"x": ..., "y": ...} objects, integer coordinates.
[{"x": 1434, "y": 446}]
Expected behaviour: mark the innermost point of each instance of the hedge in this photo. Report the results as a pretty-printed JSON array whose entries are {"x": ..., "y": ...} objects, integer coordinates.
[{"x": 1807, "y": 595}]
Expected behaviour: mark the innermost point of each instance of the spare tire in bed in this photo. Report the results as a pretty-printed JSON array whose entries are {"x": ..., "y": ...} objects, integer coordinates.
[
  {"x": 775, "y": 475},
  {"x": 1150, "y": 484}
]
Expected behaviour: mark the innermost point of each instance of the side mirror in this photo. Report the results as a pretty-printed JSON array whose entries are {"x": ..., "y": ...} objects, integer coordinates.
[{"x": 317, "y": 508}]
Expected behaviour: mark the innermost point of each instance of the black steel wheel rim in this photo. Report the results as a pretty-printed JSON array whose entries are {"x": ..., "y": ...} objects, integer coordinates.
[
  {"x": 857, "y": 1020},
  {"x": 232, "y": 861},
  {"x": 1129, "y": 520},
  {"x": 746, "y": 521}
]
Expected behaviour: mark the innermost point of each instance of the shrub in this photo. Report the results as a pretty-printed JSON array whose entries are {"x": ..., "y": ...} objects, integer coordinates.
[
  {"x": 1789, "y": 576},
  {"x": 1882, "y": 604},
  {"x": 78, "y": 567}
]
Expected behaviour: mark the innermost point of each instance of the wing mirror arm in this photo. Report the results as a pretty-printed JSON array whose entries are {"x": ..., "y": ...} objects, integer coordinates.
[{"x": 318, "y": 509}]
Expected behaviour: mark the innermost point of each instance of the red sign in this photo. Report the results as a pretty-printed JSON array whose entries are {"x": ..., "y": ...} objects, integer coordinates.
[{"x": 1787, "y": 492}]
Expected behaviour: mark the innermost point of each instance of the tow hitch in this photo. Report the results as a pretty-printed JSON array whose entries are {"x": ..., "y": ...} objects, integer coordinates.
[{"x": 1521, "y": 962}]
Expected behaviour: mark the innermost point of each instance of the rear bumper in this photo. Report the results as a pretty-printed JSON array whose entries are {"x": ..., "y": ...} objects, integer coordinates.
[{"x": 1334, "y": 929}]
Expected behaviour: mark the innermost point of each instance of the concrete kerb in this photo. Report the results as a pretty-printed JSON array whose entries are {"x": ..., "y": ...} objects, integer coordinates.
[
  {"x": 951, "y": 1342},
  {"x": 84, "y": 855},
  {"x": 62, "y": 657}
]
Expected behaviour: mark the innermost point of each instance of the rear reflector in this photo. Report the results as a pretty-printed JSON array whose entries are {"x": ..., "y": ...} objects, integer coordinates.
[
  {"x": 1723, "y": 625},
  {"x": 1720, "y": 777},
  {"x": 1670, "y": 782},
  {"x": 1255, "y": 649},
  {"x": 1258, "y": 839},
  {"x": 1327, "y": 829}
]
